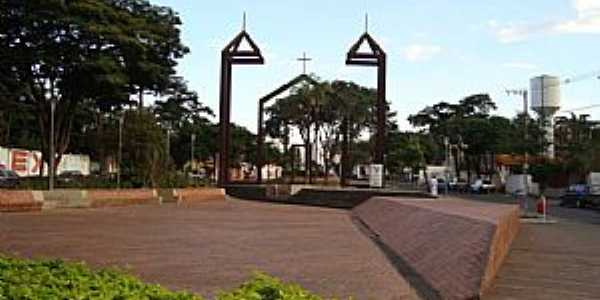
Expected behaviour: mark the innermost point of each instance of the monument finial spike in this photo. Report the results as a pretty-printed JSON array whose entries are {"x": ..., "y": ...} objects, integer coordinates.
[
  {"x": 244, "y": 22},
  {"x": 366, "y": 23}
]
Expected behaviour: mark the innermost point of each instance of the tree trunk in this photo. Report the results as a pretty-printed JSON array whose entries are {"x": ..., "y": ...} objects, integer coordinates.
[
  {"x": 141, "y": 99},
  {"x": 100, "y": 146},
  {"x": 457, "y": 163}
]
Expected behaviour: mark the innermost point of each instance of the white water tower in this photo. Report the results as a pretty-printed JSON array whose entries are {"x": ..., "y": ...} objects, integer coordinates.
[{"x": 545, "y": 101}]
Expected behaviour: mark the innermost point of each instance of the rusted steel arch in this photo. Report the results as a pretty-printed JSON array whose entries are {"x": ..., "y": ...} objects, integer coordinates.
[
  {"x": 260, "y": 138},
  {"x": 354, "y": 57},
  {"x": 232, "y": 55},
  {"x": 376, "y": 58}
]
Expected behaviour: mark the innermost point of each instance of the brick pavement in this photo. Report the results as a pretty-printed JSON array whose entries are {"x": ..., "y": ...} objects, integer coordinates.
[
  {"x": 217, "y": 245},
  {"x": 556, "y": 261},
  {"x": 552, "y": 261}
]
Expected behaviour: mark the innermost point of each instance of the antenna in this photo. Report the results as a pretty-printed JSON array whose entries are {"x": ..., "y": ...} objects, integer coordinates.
[{"x": 366, "y": 22}]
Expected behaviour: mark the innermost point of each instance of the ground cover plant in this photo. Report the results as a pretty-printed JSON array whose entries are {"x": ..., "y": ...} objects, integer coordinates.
[{"x": 54, "y": 279}]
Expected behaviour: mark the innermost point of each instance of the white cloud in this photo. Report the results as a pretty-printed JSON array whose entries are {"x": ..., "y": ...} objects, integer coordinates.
[
  {"x": 587, "y": 20},
  {"x": 519, "y": 65},
  {"x": 420, "y": 52}
]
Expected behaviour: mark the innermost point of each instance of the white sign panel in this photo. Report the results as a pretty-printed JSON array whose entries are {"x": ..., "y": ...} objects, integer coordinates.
[{"x": 376, "y": 176}]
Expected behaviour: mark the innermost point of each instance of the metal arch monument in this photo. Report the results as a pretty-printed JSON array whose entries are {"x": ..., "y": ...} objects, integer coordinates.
[
  {"x": 260, "y": 139},
  {"x": 232, "y": 55},
  {"x": 375, "y": 58}
]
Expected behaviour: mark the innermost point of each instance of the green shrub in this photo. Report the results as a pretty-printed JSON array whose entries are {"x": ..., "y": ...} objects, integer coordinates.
[
  {"x": 54, "y": 279},
  {"x": 264, "y": 287}
]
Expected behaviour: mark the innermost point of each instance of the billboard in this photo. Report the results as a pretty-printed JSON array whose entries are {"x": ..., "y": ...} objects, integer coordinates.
[{"x": 28, "y": 163}]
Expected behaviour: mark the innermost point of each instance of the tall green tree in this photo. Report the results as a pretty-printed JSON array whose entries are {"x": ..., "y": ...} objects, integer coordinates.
[
  {"x": 184, "y": 115},
  {"x": 68, "y": 52}
]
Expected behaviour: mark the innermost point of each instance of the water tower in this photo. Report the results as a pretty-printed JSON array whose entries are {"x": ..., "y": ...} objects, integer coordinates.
[{"x": 545, "y": 101}]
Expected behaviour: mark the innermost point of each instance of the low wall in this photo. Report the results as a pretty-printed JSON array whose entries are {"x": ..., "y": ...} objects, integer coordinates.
[
  {"x": 126, "y": 197},
  {"x": 21, "y": 201},
  {"x": 446, "y": 249},
  {"x": 321, "y": 196},
  {"x": 191, "y": 196}
]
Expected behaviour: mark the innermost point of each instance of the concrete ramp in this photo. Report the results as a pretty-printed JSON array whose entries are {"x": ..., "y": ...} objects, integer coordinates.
[{"x": 447, "y": 248}]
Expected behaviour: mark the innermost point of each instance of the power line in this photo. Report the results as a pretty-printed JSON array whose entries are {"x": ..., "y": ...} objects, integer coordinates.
[
  {"x": 573, "y": 79},
  {"x": 580, "y": 108}
]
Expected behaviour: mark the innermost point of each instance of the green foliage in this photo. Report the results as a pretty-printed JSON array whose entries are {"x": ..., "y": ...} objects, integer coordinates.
[
  {"x": 54, "y": 279},
  {"x": 173, "y": 179},
  {"x": 470, "y": 128},
  {"x": 578, "y": 143},
  {"x": 325, "y": 107},
  {"x": 405, "y": 150},
  {"x": 544, "y": 172},
  {"x": 144, "y": 147},
  {"x": 81, "y": 52},
  {"x": 264, "y": 287}
]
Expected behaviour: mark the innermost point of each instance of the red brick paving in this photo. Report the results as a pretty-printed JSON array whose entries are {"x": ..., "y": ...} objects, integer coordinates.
[{"x": 217, "y": 245}]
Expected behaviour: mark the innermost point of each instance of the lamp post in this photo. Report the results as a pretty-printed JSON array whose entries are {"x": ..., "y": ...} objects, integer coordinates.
[
  {"x": 192, "y": 152},
  {"x": 168, "y": 157},
  {"x": 120, "y": 154},
  {"x": 51, "y": 146}
]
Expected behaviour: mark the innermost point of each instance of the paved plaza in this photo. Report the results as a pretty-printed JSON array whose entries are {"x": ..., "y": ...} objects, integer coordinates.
[
  {"x": 208, "y": 247},
  {"x": 218, "y": 245}
]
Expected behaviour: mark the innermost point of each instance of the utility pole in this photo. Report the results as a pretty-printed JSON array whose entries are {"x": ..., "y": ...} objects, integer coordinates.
[
  {"x": 524, "y": 94},
  {"x": 51, "y": 146},
  {"x": 120, "y": 158}
]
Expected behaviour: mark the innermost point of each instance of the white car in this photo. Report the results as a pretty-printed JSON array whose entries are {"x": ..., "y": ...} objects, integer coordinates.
[{"x": 483, "y": 186}]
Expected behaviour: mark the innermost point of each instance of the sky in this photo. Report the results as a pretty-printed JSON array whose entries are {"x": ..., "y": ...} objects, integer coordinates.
[{"x": 438, "y": 50}]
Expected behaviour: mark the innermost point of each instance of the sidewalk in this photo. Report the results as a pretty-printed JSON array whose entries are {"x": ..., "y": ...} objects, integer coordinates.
[{"x": 553, "y": 261}]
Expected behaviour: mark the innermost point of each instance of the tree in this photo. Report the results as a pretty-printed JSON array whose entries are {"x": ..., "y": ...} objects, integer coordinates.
[
  {"x": 185, "y": 115},
  {"x": 577, "y": 144},
  {"x": 68, "y": 52},
  {"x": 323, "y": 110},
  {"x": 467, "y": 122},
  {"x": 406, "y": 150},
  {"x": 144, "y": 150}
]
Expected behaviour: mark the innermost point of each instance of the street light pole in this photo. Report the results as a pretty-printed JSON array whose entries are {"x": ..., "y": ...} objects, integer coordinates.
[
  {"x": 168, "y": 145},
  {"x": 120, "y": 158},
  {"x": 51, "y": 146},
  {"x": 192, "y": 152}
]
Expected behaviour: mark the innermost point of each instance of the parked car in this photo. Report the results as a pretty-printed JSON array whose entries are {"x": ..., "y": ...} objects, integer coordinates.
[
  {"x": 8, "y": 179},
  {"x": 481, "y": 186},
  {"x": 442, "y": 185},
  {"x": 459, "y": 185},
  {"x": 69, "y": 176},
  {"x": 579, "y": 196}
]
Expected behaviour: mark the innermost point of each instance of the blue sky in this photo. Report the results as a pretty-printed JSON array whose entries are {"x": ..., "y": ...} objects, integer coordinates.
[{"x": 437, "y": 49}]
